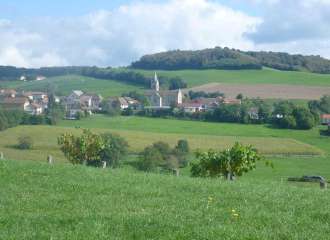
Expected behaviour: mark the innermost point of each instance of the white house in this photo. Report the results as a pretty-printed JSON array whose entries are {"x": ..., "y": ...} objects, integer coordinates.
[
  {"x": 68, "y": 105},
  {"x": 96, "y": 99},
  {"x": 207, "y": 104},
  {"x": 189, "y": 107},
  {"x": 253, "y": 112},
  {"x": 86, "y": 98},
  {"x": 33, "y": 108},
  {"x": 74, "y": 96},
  {"x": 40, "y": 78},
  {"x": 23, "y": 78},
  {"x": 36, "y": 95},
  {"x": 326, "y": 118}
]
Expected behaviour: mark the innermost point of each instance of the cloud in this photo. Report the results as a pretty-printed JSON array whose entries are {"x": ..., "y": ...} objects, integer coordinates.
[{"x": 112, "y": 38}]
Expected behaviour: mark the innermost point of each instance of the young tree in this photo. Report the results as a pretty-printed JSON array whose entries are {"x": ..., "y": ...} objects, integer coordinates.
[
  {"x": 304, "y": 118},
  {"x": 173, "y": 104},
  {"x": 239, "y": 96},
  {"x": 229, "y": 163},
  {"x": 146, "y": 102},
  {"x": 288, "y": 122},
  {"x": 79, "y": 149},
  {"x": 51, "y": 102},
  {"x": 163, "y": 148},
  {"x": 183, "y": 145},
  {"x": 25, "y": 142},
  {"x": 149, "y": 159}
]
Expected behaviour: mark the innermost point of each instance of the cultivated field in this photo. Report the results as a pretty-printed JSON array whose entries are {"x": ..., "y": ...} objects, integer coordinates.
[
  {"x": 41, "y": 201},
  {"x": 264, "y": 91},
  {"x": 107, "y": 88},
  {"x": 196, "y": 78}
]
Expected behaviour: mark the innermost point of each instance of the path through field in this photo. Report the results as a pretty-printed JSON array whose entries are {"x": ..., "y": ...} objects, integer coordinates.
[{"x": 264, "y": 91}]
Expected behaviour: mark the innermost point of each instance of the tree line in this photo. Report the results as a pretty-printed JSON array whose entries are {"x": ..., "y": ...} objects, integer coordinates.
[
  {"x": 9, "y": 73},
  {"x": 232, "y": 59},
  {"x": 165, "y": 83}
]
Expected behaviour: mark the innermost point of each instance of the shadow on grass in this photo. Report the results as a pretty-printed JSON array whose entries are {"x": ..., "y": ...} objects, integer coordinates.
[
  {"x": 324, "y": 133},
  {"x": 18, "y": 147}
]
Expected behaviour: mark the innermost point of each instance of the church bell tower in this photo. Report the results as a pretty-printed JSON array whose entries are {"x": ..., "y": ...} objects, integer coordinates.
[{"x": 155, "y": 83}]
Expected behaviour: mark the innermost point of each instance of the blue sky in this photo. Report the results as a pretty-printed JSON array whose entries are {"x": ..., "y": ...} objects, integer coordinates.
[
  {"x": 18, "y": 9},
  {"x": 37, "y": 33}
]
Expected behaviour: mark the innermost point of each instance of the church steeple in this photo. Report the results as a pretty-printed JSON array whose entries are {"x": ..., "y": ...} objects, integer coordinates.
[{"x": 155, "y": 83}]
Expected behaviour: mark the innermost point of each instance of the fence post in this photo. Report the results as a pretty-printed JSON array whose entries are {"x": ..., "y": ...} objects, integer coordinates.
[
  {"x": 49, "y": 159},
  {"x": 103, "y": 164},
  {"x": 85, "y": 163},
  {"x": 176, "y": 172},
  {"x": 323, "y": 185},
  {"x": 1, "y": 155}
]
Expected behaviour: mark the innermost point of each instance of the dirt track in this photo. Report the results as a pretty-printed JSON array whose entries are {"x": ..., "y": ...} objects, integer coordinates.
[{"x": 264, "y": 91}]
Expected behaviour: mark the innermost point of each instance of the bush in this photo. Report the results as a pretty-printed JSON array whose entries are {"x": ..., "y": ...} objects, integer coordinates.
[
  {"x": 288, "y": 122},
  {"x": 239, "y": 96},
  {"x": 183, "y": 145},
  {"x": 163, "y": 148},
  {"x": 171, "y": 163},
  {"x": 149, "y": 159},
  {"x": 25, "y": 142},
  {"x": 181, "y": 156},
  {"x": 79, "y": 115}
]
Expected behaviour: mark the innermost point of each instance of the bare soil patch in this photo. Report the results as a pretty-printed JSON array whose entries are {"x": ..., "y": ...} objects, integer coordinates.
[{"x": 264, "y": 91}]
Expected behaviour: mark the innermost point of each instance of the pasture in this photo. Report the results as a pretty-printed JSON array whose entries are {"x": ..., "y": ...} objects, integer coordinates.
[
  {"x": 75, "y": 202},
  {"x": 196, "y": 78},
  {"x": 107, "y": 88}
]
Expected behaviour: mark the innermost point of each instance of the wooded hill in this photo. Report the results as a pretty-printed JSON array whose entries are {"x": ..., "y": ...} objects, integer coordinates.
[{"x": 232, "y": 59}]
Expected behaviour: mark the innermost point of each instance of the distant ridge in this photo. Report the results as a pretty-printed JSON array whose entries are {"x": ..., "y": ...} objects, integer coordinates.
[{"x": 232, "y": 59}]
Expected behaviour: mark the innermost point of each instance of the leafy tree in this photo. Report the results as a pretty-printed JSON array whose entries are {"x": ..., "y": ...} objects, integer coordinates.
[
  {"x": 128, "y": 111},
  {"x": 181, "y": 156},
  {"x": 171, "y": 163},
  {"x": 314, "y": 105},
  {"x": 163, "y": 148},
  {"x": 25, "y": 142},
  {"x": 317, "y": 116},
  {"x": 105, "y": 105},
  {"x": 173, "y": 104},
  {"x": 146, "y": 102},
  {"x": 51, "y": 88},
  {"x": 115, "y": 151},
  {"x": 149, "y": 159},
  {"x": 239, "y": 96},
  {"x": 229, "y": 163},
  {"x": 284, "y": 109},
  {"x": 135, "y": 95},
  {"x": 3, "y": 123},
  {"x": 84, "y": 148},
  {"x": 288, "y": 122},
  {"x": 25, "y": 118},
  {"x": 79, "y": 115},
  {"x": 264, "y": 114},
  {"x": 51, "y": 102},
  {"x": 183, "y": 145},
  {"x": 31, "y": 77},
  {"x": 304, "y": 118}
]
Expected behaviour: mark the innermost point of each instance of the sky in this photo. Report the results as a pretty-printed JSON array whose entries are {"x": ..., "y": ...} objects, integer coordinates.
[{"x": 38, "y": 33}]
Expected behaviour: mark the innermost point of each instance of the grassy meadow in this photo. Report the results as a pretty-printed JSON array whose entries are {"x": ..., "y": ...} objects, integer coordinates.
[
  {"x": 41, "y": 201},
  {"x": 195, "y": 78},
  {"x": 107, "y": 88}
]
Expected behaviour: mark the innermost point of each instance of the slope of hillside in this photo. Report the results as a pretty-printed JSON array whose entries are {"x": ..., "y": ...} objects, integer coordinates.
[{"x": 75, "y": 202}]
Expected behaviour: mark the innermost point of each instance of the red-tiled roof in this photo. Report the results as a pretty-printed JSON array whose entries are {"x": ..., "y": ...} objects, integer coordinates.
[
  {"x": 36, "y": 105},
  {"x": 10, "y": 92},
  {"x": 15, "y": 100},
  {"x": 36, "y": 93},
  {"x": 325, "y": 115},
  {"x": 195, "y": 105}
]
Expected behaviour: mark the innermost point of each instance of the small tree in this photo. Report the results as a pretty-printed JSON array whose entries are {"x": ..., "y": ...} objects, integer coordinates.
[
  {"x": 146, "y": 102},
  {"x": 171, "y": 163},
  {"x": 163, "y": 148},
  {"x": 183, "y": 145},
  {"x": 79, "y": 149},
  {"x": 149, "y": 159},
  {"x": 173, "y": 104},
  {"x": 239, "y": 96},
  {"x": 288, "y": 122},
  {"x": 229, "y": 163},
  {"x": 25, "y": 142}
]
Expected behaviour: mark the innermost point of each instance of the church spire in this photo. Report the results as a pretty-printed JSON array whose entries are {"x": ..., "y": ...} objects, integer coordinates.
[{"x": 155, "y": 83}]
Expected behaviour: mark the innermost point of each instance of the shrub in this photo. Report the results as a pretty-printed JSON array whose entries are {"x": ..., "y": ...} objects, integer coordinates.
[
  {"x": 163, "y": 148},
  {"x": 171, "y": 163},
  {"x": 239, "y": 96},
  {"x": 183, "y": 145},
  {"x": 25, "y": 142},
  {"x": 149, "y": 159},
  {"x": 288, "y": 122}
]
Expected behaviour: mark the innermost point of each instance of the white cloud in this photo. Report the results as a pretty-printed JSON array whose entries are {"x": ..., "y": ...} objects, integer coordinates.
[{"x": 119, "y": 37}]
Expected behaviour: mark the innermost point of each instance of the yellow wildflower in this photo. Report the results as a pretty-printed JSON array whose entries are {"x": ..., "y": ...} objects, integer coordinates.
[
  {"x": 51, "y": 185},
  {"x": 25, "y": 175},
  {"x": 233, "y": 210},
  {"x": 210, "y": 198},
  {"x": 235, "y": 215}
]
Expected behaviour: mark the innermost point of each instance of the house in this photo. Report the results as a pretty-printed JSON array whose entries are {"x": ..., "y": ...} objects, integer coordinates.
[
  {"x": 122, "y": 102},
  {"x": 68, "y": 105},
  {"x": 15, "y": 103},
  {"x": 22, "y": 78},
  {"x": 136, "y": 105},
  {"x": 43, "y": 103},
  {"x": 74, "y": 96},
  {"x": 129, "y": 100},
  {"x": 86, "y": 98},
  {"x": 40, "y": 78},
  {"x": 189, "y": 107},
  {"x": 253, "y": 112},
  {"x": 9, "y": 93},
  {"x": 326, "y": 118},
  {"x": 80, "y": 106},
  {"x": 96, "y": 99},
  {"x": 232, "y": 101},
  {"x": 36, "y": 95},
  {"x": 33, "y": 108},
  {"x": 161, "y": 98},
  {"x": 208, "y": 104}
]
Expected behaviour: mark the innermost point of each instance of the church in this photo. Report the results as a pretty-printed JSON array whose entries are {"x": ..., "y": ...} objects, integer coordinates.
[{"x": 161, "y": 98}]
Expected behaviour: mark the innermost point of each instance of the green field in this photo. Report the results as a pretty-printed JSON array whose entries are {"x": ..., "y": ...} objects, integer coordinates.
[
  {"x": 41, "y": 201},
  {"x": 107, "y": 88},
  {"x": 196, "y": 78}
]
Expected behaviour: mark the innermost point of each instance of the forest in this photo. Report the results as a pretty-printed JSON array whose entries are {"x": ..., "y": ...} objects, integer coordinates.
[{"x": 232, "y": 59}]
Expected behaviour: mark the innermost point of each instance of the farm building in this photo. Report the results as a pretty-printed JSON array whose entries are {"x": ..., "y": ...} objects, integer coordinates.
[
  {"x": 74, "y": 96},
  {"x": 36, "y": 95},
  {"x": 9, "y": 93},
  {"x": 33, "y": 108},
  {"x": 189, "y": 107},
  {"x": 96, "y": 99},
  {"x": 326, "y": 118},
  {"x": 253, "y": 112},
  {"x": 208, "y": 104},
  {"x": 15, "y": 103}
]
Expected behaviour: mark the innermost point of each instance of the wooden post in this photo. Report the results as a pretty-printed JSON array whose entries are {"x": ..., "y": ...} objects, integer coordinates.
[
  {"x": 103, "y": 164},
  {"x": 85, "y": 163},
  {"x": 176, "y": 172},
  {"x": 323, "y": 185},
  {"x": 1, "y": 155},
  {"x": 228, "y": 176},
  {"x": 49, "y": 159}
]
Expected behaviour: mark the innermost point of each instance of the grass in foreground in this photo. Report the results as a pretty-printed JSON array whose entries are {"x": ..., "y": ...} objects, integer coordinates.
[{"x": 74, "y": 202}]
